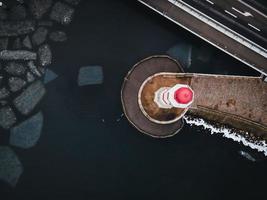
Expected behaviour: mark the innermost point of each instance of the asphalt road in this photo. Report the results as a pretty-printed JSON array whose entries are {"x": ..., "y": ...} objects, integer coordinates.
[{"x": 240, "y": 16}]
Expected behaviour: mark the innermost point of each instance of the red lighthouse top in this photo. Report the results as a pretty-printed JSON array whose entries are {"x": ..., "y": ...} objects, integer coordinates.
[{"x": 183, "y": 95}]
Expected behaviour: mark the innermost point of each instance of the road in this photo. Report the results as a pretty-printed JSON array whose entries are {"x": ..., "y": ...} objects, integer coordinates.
[{"x": 236, "y": 27}]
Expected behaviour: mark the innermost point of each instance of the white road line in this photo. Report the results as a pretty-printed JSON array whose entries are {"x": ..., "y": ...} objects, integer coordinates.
[
  {"x": 252, "y": 65},
  {"x": 254, "y": 27},
  {"x": 246, "y": 14},
  {"x": 220, "y": 27},
  {"x": 210, "y": 2},
  {"x": 230, "y": 13},
  {"x": 252, "y": 8},
  {"x": 1, "y": 3}
]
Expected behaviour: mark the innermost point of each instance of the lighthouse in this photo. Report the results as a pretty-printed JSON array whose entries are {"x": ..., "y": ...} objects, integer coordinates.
[{"x": 178, "y": 96}]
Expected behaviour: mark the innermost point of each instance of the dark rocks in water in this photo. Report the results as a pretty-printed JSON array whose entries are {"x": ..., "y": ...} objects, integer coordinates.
[
  {"x": 62, "y": 13},
  {"x": 15, "y": 84},
  {"x": 39, "y": 7},
  {"x": 44, "y": 55},
  {"x": 3, "y": 43},
  {"x": 58, "y": 36},
  {"x": 30, "y": 97},
  {"x": 10, "y": 166},
  {"x": 15, "y": 28},
  {"x": 73, "y": 2},
  {"x": 247, "y": 156},
  {"x": 3, "y": 103},
  {"x": 49, "y": 76},
  {"x": 27, "y": 134},
  {"x": 90, "y": 75},
  {"x": 30, "y": 77},
  {"x": 18, "y": 12},
  {"x": 45, "y": 23},
  {"x": 15, "y": 68},
  {"x": 7, "y": 117},
  {"x": 3, "y": 14},
  {"x": 34, "y": 69},
  {"x": 39, "y": 36},
  {"x": 17, "y": 44},
  {"x": 17, "y": 55},
  {"x": 181, "y": 52},
  {"x": 27, "y": 42},
  {"x": 4, "y": 93}
]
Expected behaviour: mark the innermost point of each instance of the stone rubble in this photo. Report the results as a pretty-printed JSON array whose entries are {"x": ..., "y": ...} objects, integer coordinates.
[
  {"x": 10, "y": 166},
  {"x": 39, "y": 7},
  {"x": 15, "y": 28},
  {"x": 29, "y": 98},
  {"x": 17, "y": 44},
  {"x": 4, "y": 93},
  {"x": 27, "y": 134},
  {"x": 27, "y": 42},
  {"x": 7, "y": 117},
  {"x": 39, "y": 36},
  {"x": 17, "y": 55},
  {"x": 15, "y": 84},
  {"x": 62, "y": 13},
  {"x": 45, "y": 55},
  {"x": 3, "y": 43},
  {"x": 15, "y": 68},
  {"x": 58, "y": 36},
  {"x": 34, "y": 69},
  {"x": 90, "y": 75}
]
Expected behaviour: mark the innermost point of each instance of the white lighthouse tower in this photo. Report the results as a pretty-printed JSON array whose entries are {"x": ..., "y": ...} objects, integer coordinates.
[{"x": 178, "y": 96}]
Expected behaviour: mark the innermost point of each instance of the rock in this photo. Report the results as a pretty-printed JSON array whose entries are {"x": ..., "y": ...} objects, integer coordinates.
[
  {"x": 3, "y": 43},
  {"x": 3, "y": 14},
  {"x": 34, "y": 69},
  {"x": 17, "y": 44},
  {"x": 247, "y": 156},
  {"x": 15, "y": 83},
  {"x": 73, "y": 2},
  {"x": 44, "y": 55},
  {"x": 45, "y": 23},
  {"x": 7, "y": 117},
  {"x": 39, "y": 7},
  {"x": 30, "y": 77},
  {"x": 39, "y": 36},
  {"x": 15, "y": 28},
  {"x": 3, "y": 103},
  {"x": 27, "y": 134},
  {"x": 4, "y": 93},
  {"x": 18, "y": 12},
  {"x": 58, "y": 36},
  {"x": 61, "y": 13},
  {"x": 90, "y": 75},
  {"x": 30, "y": 97},
  {"x": 17, "y": 55},
  {"x": 10, "y": 166},
  {"x": 27, "y": 42},
  {"x": 181, "y": 52},
  {"x": 15, "y": 68},
  {"x": 49, "y": 76}
]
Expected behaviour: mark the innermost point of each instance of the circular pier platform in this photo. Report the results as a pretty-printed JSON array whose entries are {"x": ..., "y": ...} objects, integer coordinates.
[{"x": 130, "y": 91}]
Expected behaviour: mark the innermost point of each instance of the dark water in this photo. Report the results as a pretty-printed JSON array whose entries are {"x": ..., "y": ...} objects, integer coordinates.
[{"x": 81, "y": 157}]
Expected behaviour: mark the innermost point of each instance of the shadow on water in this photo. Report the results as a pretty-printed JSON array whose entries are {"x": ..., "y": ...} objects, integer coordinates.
[{"x": 85, "y": 152}]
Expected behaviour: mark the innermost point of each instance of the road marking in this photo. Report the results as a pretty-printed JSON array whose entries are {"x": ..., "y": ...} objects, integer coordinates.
[
  {"x": 252, "y": 65},
  {"x": 1, "y": 3},
  {"x": 210, "y": 2},
  {"x": 220, "y": 27},
  {"x": 252, "y": 8},
  {"x": 230, "y": 13},
  {"x": 254, "y": 27},
  {"x": 246, "y": 14}
]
